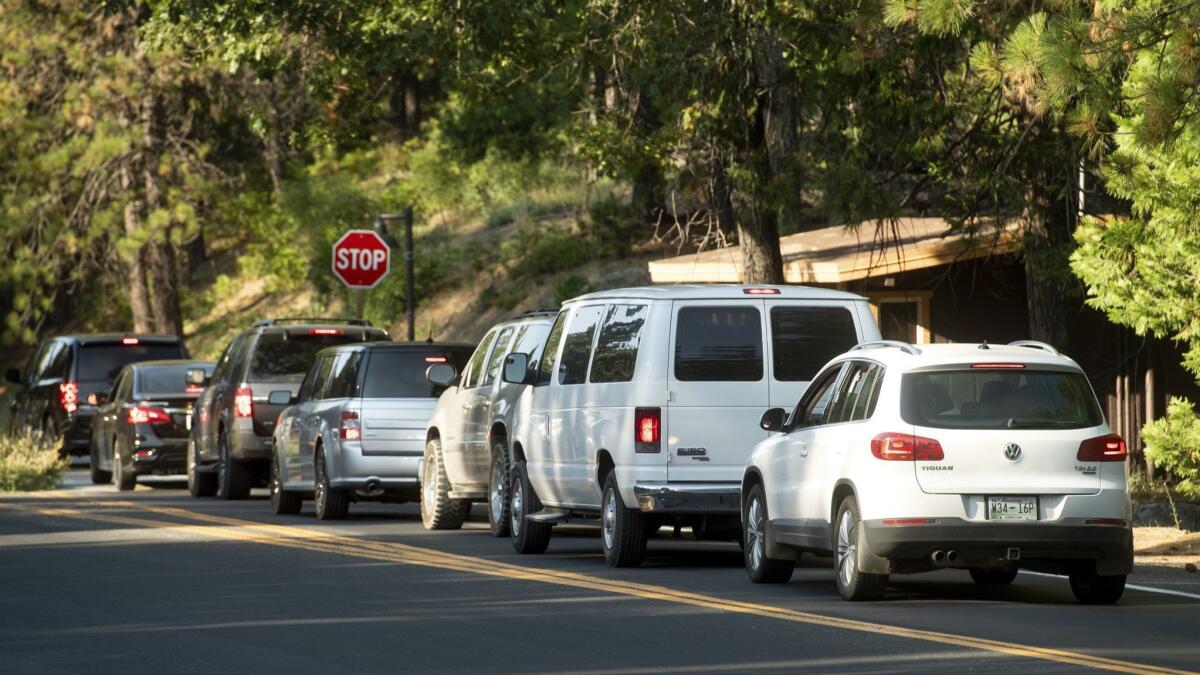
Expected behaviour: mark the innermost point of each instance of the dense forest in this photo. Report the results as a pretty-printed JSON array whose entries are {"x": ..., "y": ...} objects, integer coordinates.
[{"x": 139, "y": 139}]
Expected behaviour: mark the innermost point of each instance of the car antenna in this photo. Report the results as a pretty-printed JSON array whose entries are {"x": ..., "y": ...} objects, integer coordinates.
[{"x": 984, "y": 345}]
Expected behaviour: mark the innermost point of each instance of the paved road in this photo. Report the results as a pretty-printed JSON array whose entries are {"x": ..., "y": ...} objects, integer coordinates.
[{"x": 93, "y": 581}]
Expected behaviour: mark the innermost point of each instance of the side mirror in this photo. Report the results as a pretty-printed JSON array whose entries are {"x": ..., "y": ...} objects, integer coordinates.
[
  {"x": 441, "y": 374},
  {"x": 97, "y": 398},
  {"x": 13, "y": 376},
  {"x": 197, "y": 377},
  {"x": 282, "y": 397},
  {"x": 773, "y": 419},
  {"x": 516, "y": 368}
]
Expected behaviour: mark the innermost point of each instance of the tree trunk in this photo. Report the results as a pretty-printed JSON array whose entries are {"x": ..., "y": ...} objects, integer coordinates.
[
  {"x": 721, "y": 198},
  {"x": 780, "y": 136},
  {"x": 1047, "y": 236},
  {"x": 649, "y": 186},
  {"x": 273, "y": 146},
  {"x": 135, "y": 271}
]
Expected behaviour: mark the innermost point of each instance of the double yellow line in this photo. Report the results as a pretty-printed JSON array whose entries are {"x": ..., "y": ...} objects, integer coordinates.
[{"x": 232, "y": 529}]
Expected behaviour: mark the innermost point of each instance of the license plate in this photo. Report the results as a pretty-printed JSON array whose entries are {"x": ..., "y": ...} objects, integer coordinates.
[{"x": 1012, "y": 508}]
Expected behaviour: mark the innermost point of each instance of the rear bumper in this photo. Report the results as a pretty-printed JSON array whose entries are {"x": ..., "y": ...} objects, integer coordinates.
[
  {"x": 247, "y": 446},
  {"x": 699, "y": 498},
  {"x": 169, "y": 457},
  {"x": 77, "y": 435},
  {"x": 350, "y": 469}
]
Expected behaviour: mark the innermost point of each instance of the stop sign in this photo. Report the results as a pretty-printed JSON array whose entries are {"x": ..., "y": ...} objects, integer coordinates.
[{"x": 361, "y": 259}]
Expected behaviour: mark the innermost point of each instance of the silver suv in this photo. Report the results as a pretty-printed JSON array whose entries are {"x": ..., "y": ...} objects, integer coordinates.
[
  {"x": 466, "y": 450},
  {"x": 357, "y": 428}
]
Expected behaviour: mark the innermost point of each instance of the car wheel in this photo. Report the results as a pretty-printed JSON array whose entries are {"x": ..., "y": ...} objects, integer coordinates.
[
  {"x": 498, "y": 500},
  {"x": 99, "y": 477},
  {"x": 123, "y": 477},
  {"x": 852, "y": 583},
  {"x": 331, "y": 503},
  {"x": 623, "y": 530},
  {"x": 438, "y": 510},
  {"x": 282, "y": 502},
  {"x": 527, "y": 536},
  {"x": 761, "y": 568},
  {"x": 200, "y": 483},
  {"x": 993, "y": 577},
  {"x": 233, "y": 477},
  {"x": 1095, "y": 589}
]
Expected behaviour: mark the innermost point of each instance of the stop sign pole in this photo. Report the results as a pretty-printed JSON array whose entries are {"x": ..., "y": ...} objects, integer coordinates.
[
  {"x": 409, "y": 282},
  {"x": 361, "y": 259}
]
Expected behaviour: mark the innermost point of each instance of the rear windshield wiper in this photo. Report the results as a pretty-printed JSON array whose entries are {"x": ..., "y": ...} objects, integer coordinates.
[{"x": 1014, "y": 423}]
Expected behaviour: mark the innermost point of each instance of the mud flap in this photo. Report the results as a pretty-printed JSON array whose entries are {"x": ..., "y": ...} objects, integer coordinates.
[
  {"x": 867, "y": 560},
  {"x": 1121, "y": 564},
  {"x": 777, "y": 551}
]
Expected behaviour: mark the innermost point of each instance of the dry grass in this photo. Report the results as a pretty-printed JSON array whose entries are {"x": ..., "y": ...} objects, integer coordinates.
[
  {"x": 30, "y": 462},
  {"x": 1166, "y": 546}
]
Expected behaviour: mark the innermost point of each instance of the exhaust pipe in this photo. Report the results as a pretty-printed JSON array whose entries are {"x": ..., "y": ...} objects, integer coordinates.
[
  {"x": 951, "y": 556},
  {"x": 938, "y": 557},
  {"x": 373, "y": 488}
]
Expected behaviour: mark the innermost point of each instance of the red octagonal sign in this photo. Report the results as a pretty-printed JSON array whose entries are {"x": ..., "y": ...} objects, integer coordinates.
[{"x": 361, "y": 259}]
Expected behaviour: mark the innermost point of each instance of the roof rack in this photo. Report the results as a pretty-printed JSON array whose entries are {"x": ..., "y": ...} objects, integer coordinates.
[
  {"x": 1034, "y": 344},
  {"x": 310, "y": 319},
  {"x": 898, "y": 344},
  {"x": 535, "y": 312}
]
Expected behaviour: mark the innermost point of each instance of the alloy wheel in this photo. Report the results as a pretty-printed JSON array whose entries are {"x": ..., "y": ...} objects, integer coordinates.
[
  {"x": 608, "y": 518},
  {"x": 517, "y": 508},
  {"x": 497, "y": 491},
  {"x": 755, "y": 541},
  {"x": 846, "y": 549}
]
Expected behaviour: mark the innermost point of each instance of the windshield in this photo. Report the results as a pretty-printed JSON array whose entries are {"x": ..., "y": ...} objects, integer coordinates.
[
  {"x": 102, "y": 362},
  {"x": 157, "y": 380},
  {"x": 286, "y": 357},
  {"x": 999, "y": 399},
  {"x": 396, "y": 373}
]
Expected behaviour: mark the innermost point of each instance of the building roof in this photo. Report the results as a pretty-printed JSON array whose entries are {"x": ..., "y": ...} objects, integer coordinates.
[
  {"x": 719, "y": 291},
  {"x": 838, "y": 254}
]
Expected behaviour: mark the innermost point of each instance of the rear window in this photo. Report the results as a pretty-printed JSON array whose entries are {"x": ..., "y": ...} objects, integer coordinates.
[
  {"x": 718, "y": 344},
  {"x": 166, "y": 379},
  {"x": 101, "y": 363},
  {"x": 400, "y": 373},
  {"x": 806, "y": 338},
  {"x": 995, "y": 399},
  {"x": 286, "y": 357}
]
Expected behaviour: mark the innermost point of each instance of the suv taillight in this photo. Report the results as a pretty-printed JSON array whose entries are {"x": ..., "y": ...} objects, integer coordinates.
[
  {"x": 68, "y": 396},
  {"x": 243, "y": 402},
  {"x": 349, "y": 428},
  {"x": 906, "y": 448},
  {"x": 147, "y": 415},
  {"x": 1110, "y": 448},
  {"x": 647, "y": 429}
]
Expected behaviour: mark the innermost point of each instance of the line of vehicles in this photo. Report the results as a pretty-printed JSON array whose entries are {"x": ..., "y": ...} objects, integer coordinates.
[{"x": 771, "y": 416}]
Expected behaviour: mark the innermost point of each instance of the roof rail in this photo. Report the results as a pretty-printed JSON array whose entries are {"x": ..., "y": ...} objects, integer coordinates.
[
  {"x": 310, "y": 319},
  {"x": 898, "y": 344},
  {"x": 535, "y": 312},
  {"x": 1034, "y": 344}
]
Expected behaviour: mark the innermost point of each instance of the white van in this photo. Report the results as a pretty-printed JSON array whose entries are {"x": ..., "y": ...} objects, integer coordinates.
[{"x": 645, "y": 402}]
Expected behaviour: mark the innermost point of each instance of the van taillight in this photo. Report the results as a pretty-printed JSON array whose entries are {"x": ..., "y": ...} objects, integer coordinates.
[
  {"x": 349, "y": 429},
  {"x": 243, "y": 402},
  {"x": 647, "y": 429},
  {"x": 147, "y": 415},
  {"x": 68, "y": 396},
  {"x": 906, "y": 448},
  {"x": 1110, "y": 448}
]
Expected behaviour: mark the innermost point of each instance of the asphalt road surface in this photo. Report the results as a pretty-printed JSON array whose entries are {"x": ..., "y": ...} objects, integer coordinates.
[{"x": 153, "y": 581}]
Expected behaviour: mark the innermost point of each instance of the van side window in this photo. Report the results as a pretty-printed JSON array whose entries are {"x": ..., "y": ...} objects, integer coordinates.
[
  {"x": 855, "y": 399},
  {"x": 617, "y": 349},
  {"x": 718, "y": 344},
  {"x": 577, "y": 346},
  {"x": 814, "y": 405},
  {"x": 497, "y": 357},
  {"x": 546, "y": 365},
  {"x": 805, "y": 338},
  {"x": 474, "y": 367}
]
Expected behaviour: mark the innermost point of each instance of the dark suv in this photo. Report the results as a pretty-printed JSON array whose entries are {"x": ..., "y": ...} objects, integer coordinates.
[
  {"x": 65, "y": 371},
  {"x": 233, "y": 422}
]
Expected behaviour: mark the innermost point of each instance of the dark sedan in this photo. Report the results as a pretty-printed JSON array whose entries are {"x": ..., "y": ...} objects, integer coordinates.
[{"x": 142, "y": 424}]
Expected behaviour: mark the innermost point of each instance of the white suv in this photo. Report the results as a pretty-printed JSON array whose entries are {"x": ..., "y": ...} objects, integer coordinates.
[
  {"x": 978, "y": 457},
  {"x": 644, "y": 404}
]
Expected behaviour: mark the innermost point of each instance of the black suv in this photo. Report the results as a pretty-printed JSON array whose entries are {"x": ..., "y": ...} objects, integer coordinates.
[
  {"x": 65, "y": 371},
  {"x": 233, "y": 423}
]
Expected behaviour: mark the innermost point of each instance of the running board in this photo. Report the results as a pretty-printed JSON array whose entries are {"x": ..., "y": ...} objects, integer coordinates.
[
  {"x": 549, "y": 515},
  {"x": 467, "y": 494}
]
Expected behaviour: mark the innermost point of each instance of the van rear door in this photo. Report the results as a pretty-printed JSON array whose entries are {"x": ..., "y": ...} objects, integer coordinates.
[
  {"x": 804, "y": 336},
  {"x": 718, "y": 388}
]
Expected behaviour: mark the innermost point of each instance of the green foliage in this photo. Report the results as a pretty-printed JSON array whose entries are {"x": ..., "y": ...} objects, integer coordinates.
[
  {"x": 540, "y": 251},
  {"x": 612, "y": 226},
  {"x": 570, "y": 287},
  {"x": 1173, "y": 443},
  {"x": 30, "y": 462}
]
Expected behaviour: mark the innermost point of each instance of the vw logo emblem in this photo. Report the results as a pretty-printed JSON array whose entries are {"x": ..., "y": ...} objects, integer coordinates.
[{"x": 1013, "y": 452}]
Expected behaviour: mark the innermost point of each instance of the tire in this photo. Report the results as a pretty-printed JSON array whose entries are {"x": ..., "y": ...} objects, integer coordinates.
[
  {"x": 438, "y": 510},
  {"x": 623, "y": 530},
  {"x": 331, "y": 503},
  {"x": 99, "y": 477},
  {"x": 498, "y": 499},
  {"x": 123, "y": 478},
  {"x": 200, "y": 483},
  {"x": 993, "y": 577},
  {"x": 852, "y": 583},
  {"x": 1094, "y": 589},
  {"x": 283, "y": 503},
  {"x": 233, "y": 478},
  {"x": 527, "y": 536},
  {"x": 759, "y": 567}
]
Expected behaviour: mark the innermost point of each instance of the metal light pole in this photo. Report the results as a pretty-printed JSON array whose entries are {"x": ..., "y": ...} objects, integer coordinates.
[{"x": 409, "y": 293}]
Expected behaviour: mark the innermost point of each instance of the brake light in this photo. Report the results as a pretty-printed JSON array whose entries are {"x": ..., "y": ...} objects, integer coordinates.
[
  {"x": 243, "y": 402},
  {"x": 129, "y": 341},
  {"x": 647, "y": 429},
  {"x": 761, "y": 291},
  {"x": 349, "y": 429},
  {"x": 143, "y": 414},
  {"x": 68, "y": 396},
  {"x": 906, "y": 448},
  {"x": 1110, "y": 448},
  {"x": 998, "y": 366},
  {"x": 435, "y": 359},
  {"x": 193, "y": 389},
  {"x": 324, "y": 331},
  {"x": 893, "y": 522}
]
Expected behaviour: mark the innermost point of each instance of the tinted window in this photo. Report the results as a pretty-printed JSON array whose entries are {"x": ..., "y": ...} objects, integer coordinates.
[
  {"x": 285, "y": 357},
  {"x": 343, "y": 382},
  {"x": 474, "y": 367},
  {"x": 855, "y": 398},
  {"x": 993, "y": 399},
  {"x": 222, "y": 371},
  {"x": 550, "y": 350},
  {"x": 718, "y": 344},
  {"x": 309, "y": 385},
  {"x": 805, "y": 338},
  {"x": 617, "y": 349},
  {"x": 322, "y": 376},
  {"x": 577, "y": 345},
  {"x": 497, "y": 357},
  {"x": 400, "y": 373},
  {"x": 815, "y": 403},
  {"x": 100, "y": 363},
  {"x": 56, "y": 361},
  {"x": 165, "y": 379}
]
